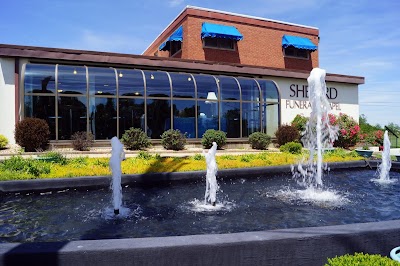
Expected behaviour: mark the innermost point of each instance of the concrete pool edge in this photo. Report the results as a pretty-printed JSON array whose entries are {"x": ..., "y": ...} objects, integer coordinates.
[
  {"x": 296, "y": 246},
  {"x": 89, "y": 182}
]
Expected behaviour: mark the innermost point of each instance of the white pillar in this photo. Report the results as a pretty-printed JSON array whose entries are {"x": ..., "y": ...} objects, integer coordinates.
[{"x": 7, "y": 98}]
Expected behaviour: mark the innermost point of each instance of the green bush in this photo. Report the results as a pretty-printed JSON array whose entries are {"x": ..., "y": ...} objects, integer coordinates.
[
  {"x": 32, "y": 134},
  {"x": 259, "y": 140},
  {"x": 173, "y": 140},
  {"x": 291, "y": 147},
  {"x": 55, "y": 157},
  {"x": 135, "y": 139},
  {"x": 349, "y": 131},
  {"x": 247, "y": 157},
  {"x": 3, "y": 142},
  {"x": 361, "y": 259},
  {"x": 198, "y": 157},
  {"x": 28, "y": 166},
  {"x": 286, "y": 133},
  {"x": 212, "y": 135},
  {"x": 144, "y": 155},
  {"x": 300, "y": 122},
  {"x": 82, "y": 141}
]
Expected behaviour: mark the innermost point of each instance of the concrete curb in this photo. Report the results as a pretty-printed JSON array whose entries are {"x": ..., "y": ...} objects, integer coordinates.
[{"x": 91, "y": 182}]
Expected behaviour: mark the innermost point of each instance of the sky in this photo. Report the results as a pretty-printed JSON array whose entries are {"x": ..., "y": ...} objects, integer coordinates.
[{"x": 358, "y": 37}]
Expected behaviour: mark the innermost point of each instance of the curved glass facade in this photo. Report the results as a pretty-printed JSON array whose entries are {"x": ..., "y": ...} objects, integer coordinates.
[{"x": 107, "y": 101}]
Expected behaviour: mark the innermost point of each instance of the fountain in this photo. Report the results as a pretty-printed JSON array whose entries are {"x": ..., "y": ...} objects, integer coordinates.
[
  {"x": 386, "y": 163},
  {"x": 318, "y": 136},
  {"x": 117, "y": 155},
  {"x": 211, "y": 178},
  {"x": 60, "y": 221}
]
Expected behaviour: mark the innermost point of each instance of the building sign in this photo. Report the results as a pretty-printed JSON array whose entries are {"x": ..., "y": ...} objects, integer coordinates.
[{"x": 301, "y": 91}]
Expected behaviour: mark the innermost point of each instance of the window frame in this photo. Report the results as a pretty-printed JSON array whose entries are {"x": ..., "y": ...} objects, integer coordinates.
[
  {"x": 296, "y": 53},
  {"x": 218, "y": 44},
  {"x": 172, "y": 46}
]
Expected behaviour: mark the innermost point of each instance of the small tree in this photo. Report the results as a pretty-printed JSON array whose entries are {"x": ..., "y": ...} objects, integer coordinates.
[
  {"x": 300, "y": 122},
  {"x": 32, "y": 134}
]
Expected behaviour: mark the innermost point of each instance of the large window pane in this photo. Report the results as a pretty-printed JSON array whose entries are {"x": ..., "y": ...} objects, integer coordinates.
[
  {"x": 250, "y": 118},
  {"x": 103, "y": 117},
  {"x": 72, "y": 116},
  {"x": 102, "y": 81},
  {"x": 158, "y": 117},
  {"x": 268, "y": 90},
  {"x": 229, "y": 88},
  {"x": 230, "y": 119},
  {"x": 182, "y": 85},
  {"x": 39, "y": 78},
  {"x": 184, "y": 117},
  {"x": 271, "y": 118},
  {"x": 131, "y": 114},
  {"x": 250, "y": 91},
  {"x": 71, "y": 80},
  {"x": 42, "y": 107},
  {"x": 207, "y": 116},
  {"x": 130, "y": 82},
  {"x": 206, "y": 86},
  {"x": 157, "y": 84}
]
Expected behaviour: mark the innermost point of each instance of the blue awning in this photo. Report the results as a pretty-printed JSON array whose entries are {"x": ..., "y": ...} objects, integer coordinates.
[
  {"x": 220, "y": 31},
  {"x": 177, "y": 36},
  {"x": 298, "y": 42}
]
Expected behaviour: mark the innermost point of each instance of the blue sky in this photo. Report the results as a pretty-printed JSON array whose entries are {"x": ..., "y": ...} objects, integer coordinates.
[{"x": 360, "y": 38}]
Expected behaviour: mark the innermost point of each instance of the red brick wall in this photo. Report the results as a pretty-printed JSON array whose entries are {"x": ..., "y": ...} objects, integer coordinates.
[{"x": 261, "y": 45}]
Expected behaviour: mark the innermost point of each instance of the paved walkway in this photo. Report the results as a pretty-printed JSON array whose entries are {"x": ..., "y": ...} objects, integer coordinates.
[{"x": 106, "y": 152}]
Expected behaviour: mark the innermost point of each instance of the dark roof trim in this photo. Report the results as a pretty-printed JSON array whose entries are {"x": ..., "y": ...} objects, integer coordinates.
[{"x": 87, "y": 57}]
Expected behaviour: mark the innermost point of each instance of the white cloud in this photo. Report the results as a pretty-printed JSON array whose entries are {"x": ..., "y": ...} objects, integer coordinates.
[
  {"x": 173, "y": 3},
  {"x": 376, "y": 63}
]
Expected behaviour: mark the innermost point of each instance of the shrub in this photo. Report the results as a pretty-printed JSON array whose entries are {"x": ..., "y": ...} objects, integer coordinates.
[
  {"x": 247, "y": 157},
  {"x": 287, "y": 133},
  {"x": 349, "y": 131},
  {"x": 135, "y": 139},
  {"x": 173, "y": 140},
  {"x": 32, "y": 133},
  {"x": 198, "y": 157},
  {"x": 3, "y": 142},
  {"x": 377, "y": 138},
  {"x": 300, "y": 122},
  {"x": 144, "y": 155},
  {"x": 361, "y": 259},
  {"x": 291, "y": 147},
  {"x": 27, "y": 166},
  {"x": 259, "y": 140},
  {"x": 82, "y": 141},
  {"x": 55, "y": 157},
  {"x": 212, "y": 135}
]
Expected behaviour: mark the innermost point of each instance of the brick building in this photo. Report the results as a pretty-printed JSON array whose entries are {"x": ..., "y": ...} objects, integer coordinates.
[
  {"x": 261, "y": 44},
  {"x": 207, "y": 70}
]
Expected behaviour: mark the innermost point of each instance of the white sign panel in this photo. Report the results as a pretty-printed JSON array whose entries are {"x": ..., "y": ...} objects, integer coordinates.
[{"x": 343, "y": 98}]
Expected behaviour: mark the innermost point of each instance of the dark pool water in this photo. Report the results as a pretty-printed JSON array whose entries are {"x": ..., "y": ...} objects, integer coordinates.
[{"x": 243, "y": 205}]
